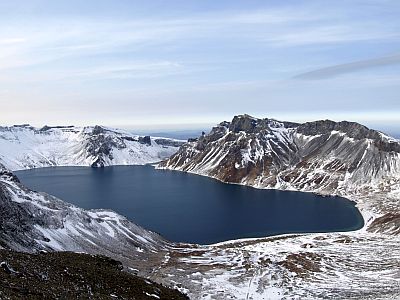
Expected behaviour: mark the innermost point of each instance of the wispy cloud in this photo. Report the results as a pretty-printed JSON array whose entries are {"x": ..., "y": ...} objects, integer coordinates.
[
  {"x": 37, "y": 42},
  {"x": 11, "y": 41},
  {"x": 330, "y": 34},
  {"x": 336, "y": 70}
]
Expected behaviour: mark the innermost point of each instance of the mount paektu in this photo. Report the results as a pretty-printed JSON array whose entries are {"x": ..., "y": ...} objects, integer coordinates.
[{"x": 324, "y": 157}]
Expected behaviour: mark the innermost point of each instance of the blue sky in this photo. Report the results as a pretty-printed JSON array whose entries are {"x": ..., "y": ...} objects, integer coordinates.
[{"x": 178, "y": 64}]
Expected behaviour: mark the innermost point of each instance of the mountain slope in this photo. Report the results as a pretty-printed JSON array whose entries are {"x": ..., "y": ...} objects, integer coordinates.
[{"x": 24, "y": 147}]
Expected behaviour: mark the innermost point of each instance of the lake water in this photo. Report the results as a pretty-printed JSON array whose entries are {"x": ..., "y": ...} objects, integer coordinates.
[{"x": 190, "y": 208}]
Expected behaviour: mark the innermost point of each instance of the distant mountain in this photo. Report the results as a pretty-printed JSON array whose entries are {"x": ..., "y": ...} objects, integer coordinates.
[
  {"x": 179, "y": 134},
  {"x": 24, "y": 147}
]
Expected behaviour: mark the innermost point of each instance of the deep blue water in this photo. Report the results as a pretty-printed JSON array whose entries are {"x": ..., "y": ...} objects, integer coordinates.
[{"x": 189, "y": 208}]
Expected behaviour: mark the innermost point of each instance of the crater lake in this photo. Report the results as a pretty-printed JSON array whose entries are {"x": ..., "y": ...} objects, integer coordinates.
[{"x": 190, "y": 208}]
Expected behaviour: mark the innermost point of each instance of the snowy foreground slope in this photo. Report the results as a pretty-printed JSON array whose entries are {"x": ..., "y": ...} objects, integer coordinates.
[
  {"x": 329, "y": 158},
  {"x": 24, "y": 147}
]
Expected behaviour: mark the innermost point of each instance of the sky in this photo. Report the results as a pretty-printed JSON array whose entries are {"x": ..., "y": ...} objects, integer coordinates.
[{"x": 183, "y": 64}]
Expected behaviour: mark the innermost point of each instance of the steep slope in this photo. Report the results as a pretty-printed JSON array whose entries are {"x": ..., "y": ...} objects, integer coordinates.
[{"x": 24, "y": 147}]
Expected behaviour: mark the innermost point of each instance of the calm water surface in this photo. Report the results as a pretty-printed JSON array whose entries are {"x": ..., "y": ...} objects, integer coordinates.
[{"x": 189, "y": 208}]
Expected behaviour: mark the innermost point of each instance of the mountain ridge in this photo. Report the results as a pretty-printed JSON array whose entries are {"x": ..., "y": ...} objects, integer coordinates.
[
  {"x": 267, "y": 153},
  {"x": 25, "y": 147}
]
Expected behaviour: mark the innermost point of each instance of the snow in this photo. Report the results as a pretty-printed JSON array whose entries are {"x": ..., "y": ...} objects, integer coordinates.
[{"x": 152, "y": 295}]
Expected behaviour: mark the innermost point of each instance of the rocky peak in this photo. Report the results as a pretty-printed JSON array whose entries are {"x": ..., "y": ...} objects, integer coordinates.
[
  {"x": 7, "y": 174},
  {"x": 146, "y": 140},
  {"x": 351, "y": 129},
  {"x": 98, "y": 130},
  {"x": 250, "y": 124},
  {"x": 46, "y": 128},
  {"x": 22, "y": 126},
  {"x": 244, "y": 123}
]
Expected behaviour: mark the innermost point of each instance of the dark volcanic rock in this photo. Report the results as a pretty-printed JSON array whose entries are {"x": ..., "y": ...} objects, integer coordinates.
[
  {"x": 46, "y": 128},
  {"x": 129, "y": 138},
  {"x": 98, "y": 130},
  {"x": 100, "y": 145},
  {"x": 351, "y": 129},
  {"x": 15, "y": 222},
  {"x": 146, "y": 140},
  {"x": 249, "y": 124},
  {"x": 243, "y": 123},
  {"x": 168, "y": 142},
  {"x": 67, "y": 275}
]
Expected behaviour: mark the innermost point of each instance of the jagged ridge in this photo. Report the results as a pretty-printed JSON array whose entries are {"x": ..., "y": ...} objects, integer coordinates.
[{"x": 314, "y": 156}]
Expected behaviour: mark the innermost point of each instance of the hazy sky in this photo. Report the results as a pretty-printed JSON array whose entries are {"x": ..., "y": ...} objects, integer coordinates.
[{"x": 146, "y": 63}]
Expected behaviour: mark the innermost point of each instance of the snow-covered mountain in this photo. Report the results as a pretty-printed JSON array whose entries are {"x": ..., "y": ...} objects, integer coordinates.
[
  {"x": 24, "y": 147},
  {"x": 324, "y": 157}
]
